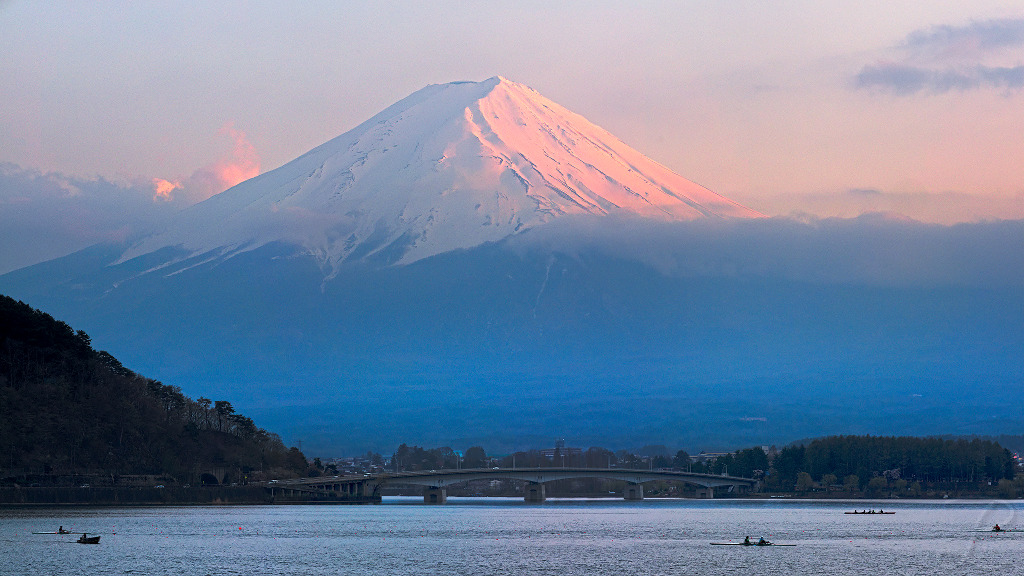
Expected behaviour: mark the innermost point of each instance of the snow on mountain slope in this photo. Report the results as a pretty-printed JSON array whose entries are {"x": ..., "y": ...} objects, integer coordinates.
[{"x": 450, "y": 166}]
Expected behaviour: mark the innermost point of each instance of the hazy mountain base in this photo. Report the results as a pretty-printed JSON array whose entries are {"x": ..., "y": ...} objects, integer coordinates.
[{"x": 614, "y": 343}]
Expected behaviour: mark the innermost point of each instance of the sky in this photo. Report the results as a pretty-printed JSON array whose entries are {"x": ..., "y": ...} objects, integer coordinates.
[{"x": 115, "y": 114}]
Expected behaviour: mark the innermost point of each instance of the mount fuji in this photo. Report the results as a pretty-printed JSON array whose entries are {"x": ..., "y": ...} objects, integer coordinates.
[
  {"x": 477, "y": 264},
  {"x": 450, "y": 167}
]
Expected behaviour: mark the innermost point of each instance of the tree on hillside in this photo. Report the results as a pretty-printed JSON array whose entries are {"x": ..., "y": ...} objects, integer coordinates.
[
  {"x": 804, "y": 482},
  {"x": 596, "y": 457},
  {"x": 681, "y": 460},
  {"x": 224, "y": 409},
  {"x": 851, "y": 483},
  {"x": 475, "y": 458}
]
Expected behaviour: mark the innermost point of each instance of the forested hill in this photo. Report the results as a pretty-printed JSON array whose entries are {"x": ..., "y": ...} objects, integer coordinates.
[{"x": 66, "y": 409}]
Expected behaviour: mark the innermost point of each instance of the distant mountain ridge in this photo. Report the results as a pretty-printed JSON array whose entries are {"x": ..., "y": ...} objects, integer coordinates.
[{"x": 449, "y": 167}]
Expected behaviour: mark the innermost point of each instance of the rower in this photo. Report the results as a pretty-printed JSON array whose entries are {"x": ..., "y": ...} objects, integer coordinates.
[
  {"x": 746, "y": 541},
  {"x": 996, "y": 528},
  {"x": 763, "y": 542}
]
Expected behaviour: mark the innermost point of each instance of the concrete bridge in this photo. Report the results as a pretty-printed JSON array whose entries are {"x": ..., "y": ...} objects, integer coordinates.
[{"x": 436, "y": 483}]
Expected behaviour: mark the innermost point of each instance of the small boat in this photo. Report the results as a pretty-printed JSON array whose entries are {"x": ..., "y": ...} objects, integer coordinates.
[
  {"x": 752, "y": 544},
  {"x": 86, "y": 539},
  {"x": 868, "y": 512},
  {"x": 747, "y": 542}
]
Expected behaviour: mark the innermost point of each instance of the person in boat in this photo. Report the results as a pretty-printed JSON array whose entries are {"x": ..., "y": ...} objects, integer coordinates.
[
  {"x": 747, "y": 542},
  {"x": 996, "y": 528},
  {"x": 61, "y": 530},
  {"x": 763, "y": 542}
]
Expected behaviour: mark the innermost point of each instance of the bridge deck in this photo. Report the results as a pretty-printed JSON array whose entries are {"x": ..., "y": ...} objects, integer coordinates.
[{"x": 441, "y": 479}]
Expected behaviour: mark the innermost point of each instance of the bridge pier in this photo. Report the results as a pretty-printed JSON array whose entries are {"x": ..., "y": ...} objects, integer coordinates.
[
  {"x": 633, "y": 492},
  {"x": 435, "y": 495},
  {"x": 707, "y": 492},
  {"x": 535, "y": 492},
  {"x": 361, "y": 489}
]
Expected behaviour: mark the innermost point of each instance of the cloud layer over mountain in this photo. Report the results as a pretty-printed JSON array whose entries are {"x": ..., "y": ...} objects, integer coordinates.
[
  {"x": 44, "y": 216},
  {"x": 870, "y": 250}
]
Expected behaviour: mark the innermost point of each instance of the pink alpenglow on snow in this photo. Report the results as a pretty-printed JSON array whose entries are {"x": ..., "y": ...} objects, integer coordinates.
[
  {"x": 570, "y": 166},
  {"x": 451, "y": 166}
]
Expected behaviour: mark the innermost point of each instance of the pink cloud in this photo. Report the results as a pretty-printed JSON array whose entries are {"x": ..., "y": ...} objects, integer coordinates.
[
  {"x": 244, "y": 162},
  {"x": 238, "y": 165},
  {"x": 164, "y": 189}
]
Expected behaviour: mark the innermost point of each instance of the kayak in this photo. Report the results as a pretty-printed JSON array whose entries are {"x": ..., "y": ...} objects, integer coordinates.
[{"x": 752, "y": 544}]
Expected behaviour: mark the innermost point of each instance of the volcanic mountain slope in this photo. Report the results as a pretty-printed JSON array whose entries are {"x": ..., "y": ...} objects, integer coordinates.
[{"x": 450, "y": 166}]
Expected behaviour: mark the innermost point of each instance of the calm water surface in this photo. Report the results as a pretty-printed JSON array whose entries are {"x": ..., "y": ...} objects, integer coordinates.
[{"x": 498, "y": 536}]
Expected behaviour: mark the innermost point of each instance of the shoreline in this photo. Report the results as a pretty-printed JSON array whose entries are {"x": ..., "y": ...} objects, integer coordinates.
[{"x": 24, "y": 497}]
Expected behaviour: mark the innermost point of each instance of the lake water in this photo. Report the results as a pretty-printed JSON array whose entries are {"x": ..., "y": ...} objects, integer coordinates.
[{"x": 507, "y": 536}]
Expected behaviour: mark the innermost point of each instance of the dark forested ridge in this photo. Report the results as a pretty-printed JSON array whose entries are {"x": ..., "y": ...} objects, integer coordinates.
[
  {"x": 899, "y": 466},
  {"x": 68, "y": 411}
]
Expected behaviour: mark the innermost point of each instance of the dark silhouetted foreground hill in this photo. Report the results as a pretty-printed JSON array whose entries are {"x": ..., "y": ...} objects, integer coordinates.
[{"x": 66, "y": 410}]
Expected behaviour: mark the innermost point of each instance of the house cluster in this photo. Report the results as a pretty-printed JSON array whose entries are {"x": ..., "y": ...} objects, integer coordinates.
[{"x": 355, "y": 465}]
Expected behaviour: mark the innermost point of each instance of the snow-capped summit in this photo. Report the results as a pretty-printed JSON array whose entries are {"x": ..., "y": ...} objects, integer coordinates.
[{"x": 450, "y": 166}]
